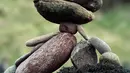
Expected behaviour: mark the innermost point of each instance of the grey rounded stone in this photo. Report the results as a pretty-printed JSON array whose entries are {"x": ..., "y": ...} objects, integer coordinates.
[
  {"x": 83, "y": 54},
  {"x": 100, "y": 45}
]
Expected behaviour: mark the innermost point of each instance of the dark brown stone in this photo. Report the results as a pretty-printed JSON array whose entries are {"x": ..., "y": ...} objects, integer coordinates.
[
  {"x": 61, "y": 11},
  {"x": 92, "y": 5}
]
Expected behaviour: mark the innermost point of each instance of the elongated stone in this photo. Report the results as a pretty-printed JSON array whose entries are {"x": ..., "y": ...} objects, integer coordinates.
[
  {"x": 40, "y": 39},
  {"x": 24, "y": 57},
  {"x": 50, "y": 56},
  {"x": 100, "y": 45}
]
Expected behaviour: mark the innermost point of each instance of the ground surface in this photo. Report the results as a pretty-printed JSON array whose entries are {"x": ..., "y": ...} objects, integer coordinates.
[{"x": 99, "y": 68}]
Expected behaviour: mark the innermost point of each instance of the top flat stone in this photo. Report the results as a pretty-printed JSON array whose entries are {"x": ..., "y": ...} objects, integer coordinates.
[{"x": 58, "y": 11}]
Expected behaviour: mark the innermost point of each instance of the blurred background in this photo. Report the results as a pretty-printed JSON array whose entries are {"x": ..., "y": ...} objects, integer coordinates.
[{"x": 19, "y": 22}]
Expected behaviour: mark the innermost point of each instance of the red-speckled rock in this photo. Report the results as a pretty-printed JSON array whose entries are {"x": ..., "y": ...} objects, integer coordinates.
[{"x": 49, "y": 56}]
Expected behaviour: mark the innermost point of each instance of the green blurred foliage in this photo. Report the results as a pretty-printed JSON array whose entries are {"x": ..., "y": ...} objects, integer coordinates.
[{"x": 19, "y": 21}]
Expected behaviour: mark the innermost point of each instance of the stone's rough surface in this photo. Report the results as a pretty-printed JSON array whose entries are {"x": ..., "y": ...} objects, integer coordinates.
[
  {"x": 109, "y": 56},
  {"x": 50, "y": 56},
  {"x": 83, "y": 54},
  {"x": 92, "y": 5},
  {"x": 100, "y": 45},
  {"x": 99, "y": 68},
  {"x": 11, "y": 69},
  {"x": 68, "y": 27},
  {"x": 60, "y": 11},
  {"x": 69, "y": 70}
]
